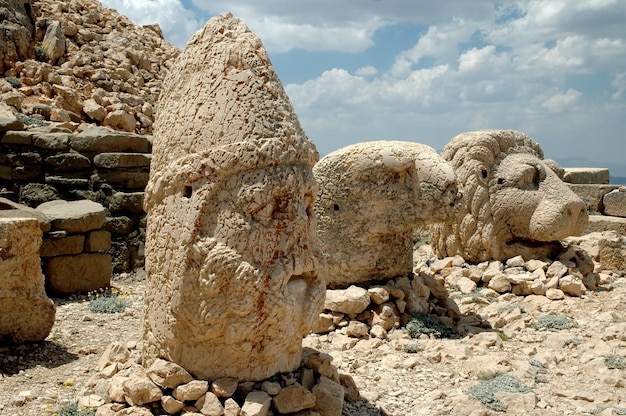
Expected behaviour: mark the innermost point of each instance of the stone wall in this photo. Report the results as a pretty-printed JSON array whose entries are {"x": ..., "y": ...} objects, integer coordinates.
[
  {"x": 41, "y": 164},
  {"x": 606, "y": 203}
]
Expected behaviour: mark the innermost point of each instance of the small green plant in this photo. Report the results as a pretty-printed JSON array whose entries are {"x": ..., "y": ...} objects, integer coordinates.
[
  {"x": 109, "y": 300},
  {"x": 572, "y": 342},
  {"x": 423, "y": 323},
  {"x": 29, "y": 121},
  {"x": 485, "y": 391},
  {"x": 615, "y": 362},
  {"x": 74, "y": 410},
  {"x": 503, "y": 336},
  {"x": 411, "y": 348},
  {"x": 15, "y": 82},
  {"x": 41, "y": 54},
  {"x": 506, "y": 309},
  {"x": 554, "y": 323},
  {"x": 616, "y": 410}
]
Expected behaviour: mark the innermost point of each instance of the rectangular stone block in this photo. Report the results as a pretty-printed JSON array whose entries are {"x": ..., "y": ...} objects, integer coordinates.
[
  {"x": 122, "y": 160},
  {"x": 18, "y": 137},
  {"x": 104, "y": 140},
  {"x": 606, "y": 223},
  {"x": 587, "y": 175},
  {"x": 98, "y": 241},
  {"x": 25, "y": 173},
  {"x": 72, "y": 244},
  {"x": 592, "y": 195},
  {"x": 80, "y": 273},
  {"x": 26, "y": 313},
  {"x": 126, "y": 201},
  {"x": 129, "y": 180},
  {"x": 615, "y": 202},
  {"x": 52, "y": 141}
]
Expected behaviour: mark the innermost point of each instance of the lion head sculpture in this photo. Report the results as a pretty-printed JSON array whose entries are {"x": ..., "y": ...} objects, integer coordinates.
[{"x": 514, "y": 201}]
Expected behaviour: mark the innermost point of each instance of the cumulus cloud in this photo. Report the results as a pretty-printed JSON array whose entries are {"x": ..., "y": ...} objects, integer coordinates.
[
  {"x": 330, "y": 25},
  {"x": 512, "y": 69},
  {"x": 554, "y": 69},
  {"x": 177, "y": 22},
  {"x": 561, "y": 101}
]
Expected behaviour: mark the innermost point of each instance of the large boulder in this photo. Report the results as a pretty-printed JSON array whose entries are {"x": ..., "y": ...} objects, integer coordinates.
[{"x": 231, "y": 250}]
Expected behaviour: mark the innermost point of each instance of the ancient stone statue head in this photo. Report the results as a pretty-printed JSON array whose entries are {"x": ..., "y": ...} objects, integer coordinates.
[
  {"x": 515, "y": 202},
  {"x": 372, "y": 196},
  {"x": 231, "y": 252}
]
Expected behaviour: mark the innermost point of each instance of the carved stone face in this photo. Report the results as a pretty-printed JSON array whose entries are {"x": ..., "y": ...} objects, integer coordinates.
[
  {"x": 372, "y": 196},
  {"x": 514, "y": 202},
  {"x": 249, "y": 289},
  {"x": 533, "y": 204}
]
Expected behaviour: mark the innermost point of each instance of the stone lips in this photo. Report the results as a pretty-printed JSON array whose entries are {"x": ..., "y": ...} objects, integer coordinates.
[
  {"x": 514, "y": 201},
  {"x": 230, "y": 244}
]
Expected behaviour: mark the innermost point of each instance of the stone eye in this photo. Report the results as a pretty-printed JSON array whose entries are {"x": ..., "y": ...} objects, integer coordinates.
[
  {"x": 484, "y": 173},
  {"x": 501, "y": 181}
]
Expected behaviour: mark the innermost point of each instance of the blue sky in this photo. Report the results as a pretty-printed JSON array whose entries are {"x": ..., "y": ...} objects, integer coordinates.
[{"x": 424, "y": 71}]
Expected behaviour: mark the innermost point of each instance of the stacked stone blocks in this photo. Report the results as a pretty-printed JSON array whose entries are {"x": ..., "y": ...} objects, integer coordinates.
[
  {"x": 41, "y": 164},
  {"x": 74, "y": 251},
  {"x": 606, "y": 203}
]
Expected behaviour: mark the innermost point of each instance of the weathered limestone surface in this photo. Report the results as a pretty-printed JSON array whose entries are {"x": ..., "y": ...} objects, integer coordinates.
[
  {"x": 16, "y": 32},
  {"x": 615, "y": 202},
  {"x": 26, "y": 313},
  {"x": 75, "y": 216},
  {"x": 231, "y": 252},
  {"x": 587, "y": 175},
  {"x": 592, "y": 195},
  {"x": 372, "y": 196},
  {"x": 607, "y": 248},
  {"x": 598, "y": 223},
  {"x": 10, "y": 209},
  {"x": 54, "y": 41},
  {"x": 515, "y": 203},
  {"x": 78, "y": 274}
]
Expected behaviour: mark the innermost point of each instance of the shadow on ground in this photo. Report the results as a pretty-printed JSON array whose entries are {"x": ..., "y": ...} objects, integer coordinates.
[{"x": 48, "y": 354}]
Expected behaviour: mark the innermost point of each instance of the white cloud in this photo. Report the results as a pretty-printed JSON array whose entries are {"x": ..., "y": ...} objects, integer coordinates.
[
  {"x": 366, "y": 71},
  {"x": 330, "y": 25},
  {"x": 477, "y": 64},
  {"x": 177, "y": 23},
  {"x": 561, "y": 101},
  {"x": 280, "y": 35}
]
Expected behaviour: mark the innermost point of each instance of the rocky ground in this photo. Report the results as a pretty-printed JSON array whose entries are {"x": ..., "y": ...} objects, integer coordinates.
[{"x": 546, "y": 357}]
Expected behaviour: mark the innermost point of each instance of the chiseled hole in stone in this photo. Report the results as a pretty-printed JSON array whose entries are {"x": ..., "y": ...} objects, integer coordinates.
[
  {"x": 336, "y": 207},
  {"x": 188, "y": 191},
  {"x": 298, "y": 284}
]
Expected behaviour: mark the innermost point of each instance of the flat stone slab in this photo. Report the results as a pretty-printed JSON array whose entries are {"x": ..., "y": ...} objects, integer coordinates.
[
  {"x": 606, "y": 223},
  {"x": 74, "y": 216},
  {"x": 10, "y": 209},
  {"x": 100, "y": 139},
  {"x": 587, "y": 175},
  {"x": 122, "y": 160}
]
